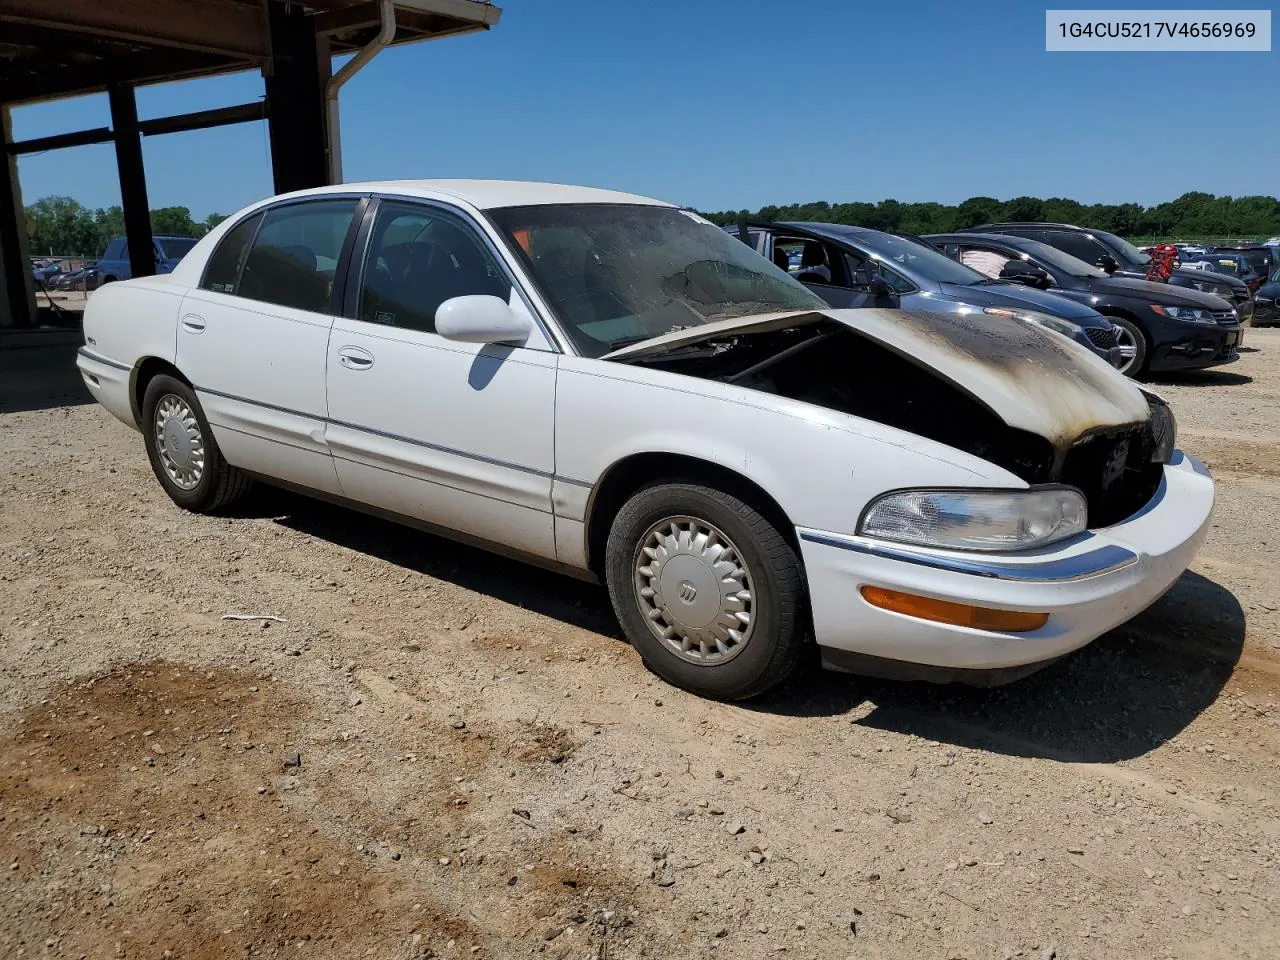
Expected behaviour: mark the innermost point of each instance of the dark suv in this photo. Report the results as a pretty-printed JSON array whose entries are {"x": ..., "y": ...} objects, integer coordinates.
[
  {"x": 1160, "y": 327},
  {"x": 1121, "y": 258}
]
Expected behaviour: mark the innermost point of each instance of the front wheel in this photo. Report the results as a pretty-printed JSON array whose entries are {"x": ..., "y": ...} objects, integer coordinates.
[
  {"x": 1133, "y": 346},
  {"x": 184, "y": 456},
  {"x": 707, "y": 590}
]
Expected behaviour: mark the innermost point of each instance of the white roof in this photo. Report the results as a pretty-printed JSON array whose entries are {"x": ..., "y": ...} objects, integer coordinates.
[{"x": 487, "y": 194}]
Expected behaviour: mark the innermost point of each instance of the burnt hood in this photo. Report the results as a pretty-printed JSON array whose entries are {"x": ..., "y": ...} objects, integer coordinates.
[{"x": 1031, "y": 378}]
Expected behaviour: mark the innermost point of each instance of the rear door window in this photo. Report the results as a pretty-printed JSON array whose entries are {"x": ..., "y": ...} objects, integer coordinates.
[
  {"x": 1079, "y": 245},
  {"x": 986, "y": 261},
  {"x": 295, "y": 255}
]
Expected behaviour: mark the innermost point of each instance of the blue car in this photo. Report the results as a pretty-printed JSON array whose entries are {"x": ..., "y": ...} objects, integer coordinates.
[
  {"x": 114, "y": 264},
  {"x": 856, "y": 267}
]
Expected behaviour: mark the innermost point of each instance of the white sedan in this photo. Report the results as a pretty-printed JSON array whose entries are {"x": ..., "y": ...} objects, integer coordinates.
[{"x": 612, "y": 386}]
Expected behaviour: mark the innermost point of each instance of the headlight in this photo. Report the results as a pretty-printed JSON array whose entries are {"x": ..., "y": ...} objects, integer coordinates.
[
  {"x": 1189, "y": 314},
  {"x": 1164, "y": 428},
  {"x": 1056, "y": 324},
  {"x": 977, "y": 519}
]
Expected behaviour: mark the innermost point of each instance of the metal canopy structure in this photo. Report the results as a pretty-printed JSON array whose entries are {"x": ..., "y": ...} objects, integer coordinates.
[{"x": 51, "y": 49}]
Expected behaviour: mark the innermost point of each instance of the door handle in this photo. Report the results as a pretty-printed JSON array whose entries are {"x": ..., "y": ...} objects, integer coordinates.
[
  {"x": 193, "y": 324},
  {"x": 355, "y": 358}
]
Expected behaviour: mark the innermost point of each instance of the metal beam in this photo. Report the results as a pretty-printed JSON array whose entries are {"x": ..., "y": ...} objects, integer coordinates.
[
  {"x": 211, "y": 26},
  {"x": 295, "y": 81},
  {"x": 138, "y": 69},
  {"x": 133, "y": 180},
  {"x": 79, "y": 138},
  {"x": 203, "y": 119},
  {"x": 58, "y": 44},
  {"x": 17, "y": 289},
  {"x": 431, "y": 17}
]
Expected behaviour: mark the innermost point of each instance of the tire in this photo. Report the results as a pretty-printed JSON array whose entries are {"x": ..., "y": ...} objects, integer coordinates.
[
  {"x": 1131, "y": 332},
  {"x": 768, "y": 645},
  {"x": 106, "y": 280},
  {"x": 201, "y": 480}
]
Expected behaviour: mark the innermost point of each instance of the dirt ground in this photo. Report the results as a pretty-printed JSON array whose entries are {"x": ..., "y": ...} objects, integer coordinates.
[{"x": 443, "y": 754}]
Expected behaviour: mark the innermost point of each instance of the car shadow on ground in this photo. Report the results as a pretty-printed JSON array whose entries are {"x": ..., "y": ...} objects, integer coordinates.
[
  {"x": 1120, "y": 697},
  {"x": 1123, "y": 695},
  {"x": 40, "y": 377},
  {"x": 1201, "y": 378},
  {"x": 555, "y": 595}
]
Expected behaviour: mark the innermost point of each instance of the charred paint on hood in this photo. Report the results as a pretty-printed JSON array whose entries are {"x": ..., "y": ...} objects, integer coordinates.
[
  {"x": 1008, "y": 392},
  {"x": 1031, "y": 378}
]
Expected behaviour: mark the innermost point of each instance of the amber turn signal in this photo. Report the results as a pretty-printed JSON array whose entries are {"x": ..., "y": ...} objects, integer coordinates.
[{"x": 958, "y": 614}]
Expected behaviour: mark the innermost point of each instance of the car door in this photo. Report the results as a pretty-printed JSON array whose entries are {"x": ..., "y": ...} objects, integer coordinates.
[
  {"x": 253, "y": 338},
  {"x": 458, "y": 435},
  {"x": 819, "y": 265},
  {"x": 1082, "y": 246}
]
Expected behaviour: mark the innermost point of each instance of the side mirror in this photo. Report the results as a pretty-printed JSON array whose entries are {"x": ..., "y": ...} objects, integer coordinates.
[
  {"x": 1108, "y": 263},
  {"x": 879, "y": 287},
  {"x": 481, "y": 318},
  {"x": 1020, "y": 271}
]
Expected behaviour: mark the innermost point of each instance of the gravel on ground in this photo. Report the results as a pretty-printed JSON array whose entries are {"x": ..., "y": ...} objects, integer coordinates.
[{"x": 436, "y": 753}]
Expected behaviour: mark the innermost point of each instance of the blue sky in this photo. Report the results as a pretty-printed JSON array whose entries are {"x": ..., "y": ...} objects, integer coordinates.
[{"x": 725, "y": 104}]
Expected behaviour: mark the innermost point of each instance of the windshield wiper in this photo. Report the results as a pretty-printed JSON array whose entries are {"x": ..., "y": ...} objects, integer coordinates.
[{"x": 629, "y": 341}]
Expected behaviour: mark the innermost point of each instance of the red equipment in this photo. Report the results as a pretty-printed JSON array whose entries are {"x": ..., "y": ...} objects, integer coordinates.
[{"x": 1164, "y": 257}]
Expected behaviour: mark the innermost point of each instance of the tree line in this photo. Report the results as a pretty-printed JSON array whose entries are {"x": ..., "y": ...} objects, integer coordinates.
[
  {"x": 61, "y": 226},
  {"x": 1193, "y": 216}
]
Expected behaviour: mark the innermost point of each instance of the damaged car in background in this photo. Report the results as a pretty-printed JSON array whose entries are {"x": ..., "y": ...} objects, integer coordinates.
[{"x": 614, "y": 387}]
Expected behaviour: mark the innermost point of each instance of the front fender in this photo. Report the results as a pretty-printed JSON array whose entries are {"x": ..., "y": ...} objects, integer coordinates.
[{"x": 820, "y": 466}]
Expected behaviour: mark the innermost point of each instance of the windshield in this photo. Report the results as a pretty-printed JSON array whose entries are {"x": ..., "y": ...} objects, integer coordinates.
[
  {"x": 918, "y": 256},
  {"x": 1122, "y": 249},
  {"x": 1054, "y": 259},
  {"x": 617, "y": 274},
  {"x": 175, "y": 248}
]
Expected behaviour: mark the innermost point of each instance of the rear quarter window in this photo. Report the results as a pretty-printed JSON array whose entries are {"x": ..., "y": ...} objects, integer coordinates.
[{"x": 222, "y": 275}]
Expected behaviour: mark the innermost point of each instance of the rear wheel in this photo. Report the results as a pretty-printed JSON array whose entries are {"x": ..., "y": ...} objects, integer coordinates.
[
  {"x": 184, "y": 456},
  {"x": 1133, "y": 346},
  {"x": 708, "y": 591}
]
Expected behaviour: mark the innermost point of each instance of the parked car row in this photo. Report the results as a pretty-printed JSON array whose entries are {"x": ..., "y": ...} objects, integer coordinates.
[
  {"x": 1118, "y": 257},
  {"x": 1161, "y": 326},
  {"x": 858, "y": 267},
  {"x": 616, "y": 388}
]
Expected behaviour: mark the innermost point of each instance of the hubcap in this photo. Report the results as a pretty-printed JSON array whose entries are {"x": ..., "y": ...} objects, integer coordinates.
[
  {"x": 694, "y": 590},
  {"x": 1128, "y": 346},
  {"x": 179, "y": 442}
]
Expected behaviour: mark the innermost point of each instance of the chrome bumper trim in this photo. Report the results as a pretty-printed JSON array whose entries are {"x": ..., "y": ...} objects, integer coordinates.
[{"x": 1078, "y": 567}]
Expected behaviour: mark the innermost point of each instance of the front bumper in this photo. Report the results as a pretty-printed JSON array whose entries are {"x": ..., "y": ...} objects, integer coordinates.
[
  {"x": 1200, "y": 346},
  {"x": 1087, "y": 585},
  {"x": 1267, "y": 311}
]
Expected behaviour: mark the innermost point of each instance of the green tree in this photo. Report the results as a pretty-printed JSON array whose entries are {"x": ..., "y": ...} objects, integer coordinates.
[
  {"x": 174, "y": 222},
  {"x": 60, "y": 226}
]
